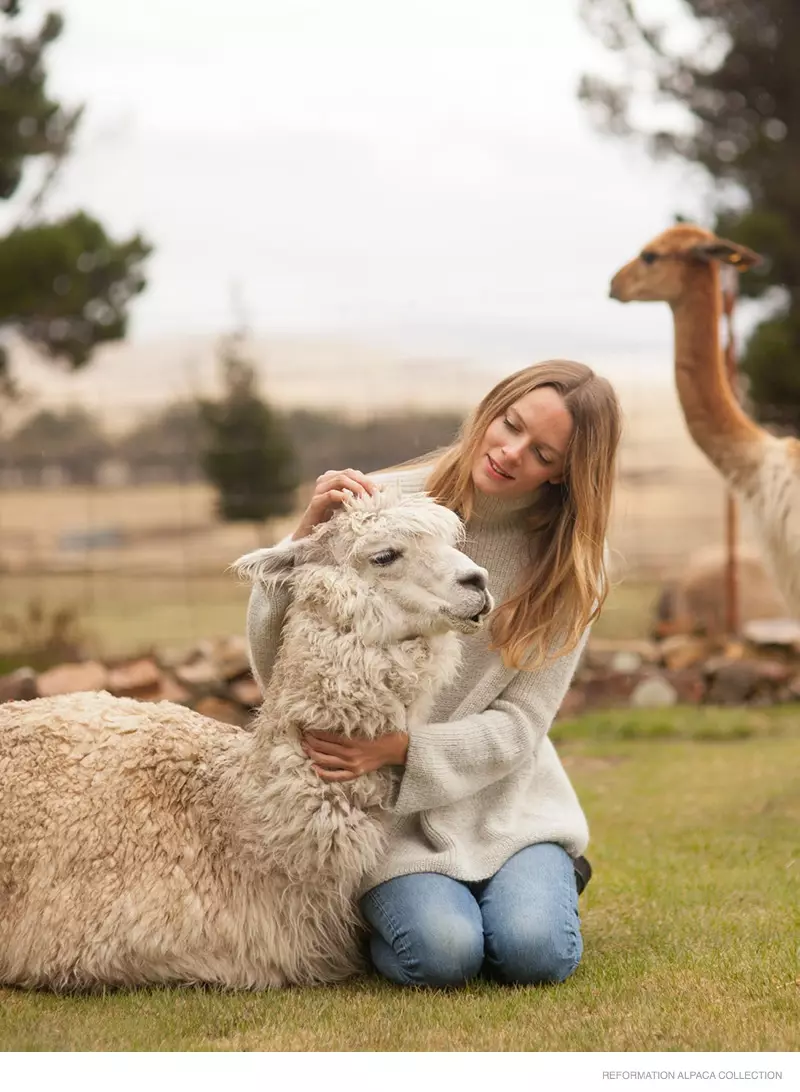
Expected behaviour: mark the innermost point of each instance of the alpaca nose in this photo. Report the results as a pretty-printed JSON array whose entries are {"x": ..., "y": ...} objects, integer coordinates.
[{"x": 475, "y": 578}]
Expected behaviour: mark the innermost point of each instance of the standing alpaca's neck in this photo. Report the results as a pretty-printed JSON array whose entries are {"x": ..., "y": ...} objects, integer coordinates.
[{"x": 717, "y": 424}]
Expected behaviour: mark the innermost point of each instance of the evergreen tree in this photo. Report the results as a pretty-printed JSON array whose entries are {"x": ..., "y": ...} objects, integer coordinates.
[
  {"x": 247, "y": 455},
  {"x": 738, "y": 86},
  {"x": 71, "y": 439},
  {"x": 65, "y": 285}
]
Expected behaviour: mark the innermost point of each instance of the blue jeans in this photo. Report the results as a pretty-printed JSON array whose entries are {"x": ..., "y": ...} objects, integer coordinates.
[{"x": 519, "y": 926}]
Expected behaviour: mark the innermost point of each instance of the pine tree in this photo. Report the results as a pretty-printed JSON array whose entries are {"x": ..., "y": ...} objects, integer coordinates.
[
  {"x": 738, "y": 86},
  {"x": 247, "y": 455},
  {"x": 65, "y": 285}
]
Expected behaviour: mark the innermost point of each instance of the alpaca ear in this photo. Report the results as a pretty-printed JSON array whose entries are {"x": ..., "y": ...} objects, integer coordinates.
[
  {"x": 271, "y": 565},
  {"x": 723, "y": 250}
]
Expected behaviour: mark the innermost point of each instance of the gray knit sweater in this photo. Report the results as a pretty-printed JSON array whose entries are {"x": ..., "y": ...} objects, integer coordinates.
[{"x": 482, "y": 780}]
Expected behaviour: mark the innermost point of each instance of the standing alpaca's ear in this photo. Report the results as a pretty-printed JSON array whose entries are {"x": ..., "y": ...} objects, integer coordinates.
[
  {"x": 272, "y": 565},
  {"x": 723, "y": 250}
]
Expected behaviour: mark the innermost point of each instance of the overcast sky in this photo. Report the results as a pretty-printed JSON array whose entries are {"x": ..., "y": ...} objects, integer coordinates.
[{"x": 416, "y": 172}]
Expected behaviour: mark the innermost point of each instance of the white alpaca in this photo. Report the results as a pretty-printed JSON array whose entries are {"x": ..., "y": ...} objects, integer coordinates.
[{"x": 143, "y": 843}]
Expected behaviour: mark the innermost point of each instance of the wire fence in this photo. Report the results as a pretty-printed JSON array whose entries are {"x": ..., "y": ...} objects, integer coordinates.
[{"x": 142, "y": 563}]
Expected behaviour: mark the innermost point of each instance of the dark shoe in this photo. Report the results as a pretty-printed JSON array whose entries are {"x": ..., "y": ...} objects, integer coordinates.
[{"x": 583, "y": 872}]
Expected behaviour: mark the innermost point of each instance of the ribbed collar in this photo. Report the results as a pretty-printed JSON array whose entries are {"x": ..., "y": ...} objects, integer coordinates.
[
  {"x": 487, "y": 511},
  {"x": 498, "y": 511}
]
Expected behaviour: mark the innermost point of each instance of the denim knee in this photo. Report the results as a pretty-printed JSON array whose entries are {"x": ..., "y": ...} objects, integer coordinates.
[
  {"x": 426, "y": 930},
  {"x": 528, "y": 952},
  {"x": 448, "y": 953}
]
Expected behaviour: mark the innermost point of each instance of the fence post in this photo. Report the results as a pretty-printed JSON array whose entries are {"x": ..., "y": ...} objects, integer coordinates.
[{"x": 729, "y": 282}]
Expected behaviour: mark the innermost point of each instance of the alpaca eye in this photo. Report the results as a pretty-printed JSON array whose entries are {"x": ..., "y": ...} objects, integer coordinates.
[
  {"x": 648, "y": 256},
  {"x": 386, "y": 557}
]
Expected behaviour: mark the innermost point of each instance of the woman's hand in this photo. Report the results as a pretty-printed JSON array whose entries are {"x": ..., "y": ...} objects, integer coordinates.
[
  {"x": 337, "y": 758},
  {"x": 328, "y": 495}
]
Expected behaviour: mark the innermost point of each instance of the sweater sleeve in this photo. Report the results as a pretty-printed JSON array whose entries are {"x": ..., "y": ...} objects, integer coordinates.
[
  {"x": 265, "y": 613},
  {"x": 447, "y": 762}
]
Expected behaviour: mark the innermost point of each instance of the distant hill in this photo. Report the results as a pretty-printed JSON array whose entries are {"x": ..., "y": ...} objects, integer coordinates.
[
  {"x": 669, "y": 501},
  {"x": 127, "y": 380}
]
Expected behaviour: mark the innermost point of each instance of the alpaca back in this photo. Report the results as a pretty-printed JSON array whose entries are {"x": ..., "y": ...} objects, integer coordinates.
[
  {"x": 125, "y": 859},
  {"x": 109, "y": 850},
  {"x": 774, "y": 498},
  {"x": 143, "y": 843}
]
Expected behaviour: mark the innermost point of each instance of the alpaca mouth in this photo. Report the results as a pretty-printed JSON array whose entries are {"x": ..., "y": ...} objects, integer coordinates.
[
  {"x": 472, "y": 622},
  {"x": 488, "y": 604}
]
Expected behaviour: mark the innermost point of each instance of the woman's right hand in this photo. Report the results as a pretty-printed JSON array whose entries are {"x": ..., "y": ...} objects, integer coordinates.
[{"x": 329, "y": 492}]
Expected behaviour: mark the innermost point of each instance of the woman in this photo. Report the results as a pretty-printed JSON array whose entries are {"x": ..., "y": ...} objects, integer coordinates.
[{"x": 480, "y": 873}]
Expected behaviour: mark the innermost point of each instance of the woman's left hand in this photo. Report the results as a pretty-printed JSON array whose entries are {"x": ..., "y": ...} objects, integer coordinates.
[{"x": 337, "y": 758}]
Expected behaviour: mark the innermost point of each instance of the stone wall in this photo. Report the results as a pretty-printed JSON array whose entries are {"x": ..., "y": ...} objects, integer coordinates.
[{"x": 762, "y": 668}]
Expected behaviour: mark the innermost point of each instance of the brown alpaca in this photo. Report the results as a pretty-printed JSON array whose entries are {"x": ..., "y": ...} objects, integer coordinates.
[{"x": 680, "y": 268}]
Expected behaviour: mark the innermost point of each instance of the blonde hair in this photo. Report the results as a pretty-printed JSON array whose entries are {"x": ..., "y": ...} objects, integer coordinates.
[{"x": 565, "y": 583}]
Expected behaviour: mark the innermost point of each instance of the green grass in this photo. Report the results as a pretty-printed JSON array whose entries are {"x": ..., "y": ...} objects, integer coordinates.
[
  {"x": 691, "y": 924},
  {"x": 687, "y": 722}
]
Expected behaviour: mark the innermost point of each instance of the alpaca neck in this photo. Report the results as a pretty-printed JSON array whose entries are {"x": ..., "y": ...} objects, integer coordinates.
[
  {"x": 329, "y": 679},
  {"x": 285, "y": 815},
  {"x": 716, "y": 422}
]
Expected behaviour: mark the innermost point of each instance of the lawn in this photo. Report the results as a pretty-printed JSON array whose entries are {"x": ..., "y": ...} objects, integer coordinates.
[{"x": 691, "y": 924}]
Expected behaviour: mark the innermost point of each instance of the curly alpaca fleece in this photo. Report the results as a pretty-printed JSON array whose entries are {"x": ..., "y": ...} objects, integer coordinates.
[{"x": 143, "y": 843}]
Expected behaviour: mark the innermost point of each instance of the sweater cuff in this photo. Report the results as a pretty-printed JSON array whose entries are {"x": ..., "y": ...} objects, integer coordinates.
[{"x": 418, "y": 782}]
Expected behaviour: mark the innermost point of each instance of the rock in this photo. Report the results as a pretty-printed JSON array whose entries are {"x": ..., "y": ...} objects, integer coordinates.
[
  {"x": 175, "y": 656},
  {"x": 739, "y": 681},
  {"x": 225, "y": 711},
  {"x": 203, "y": 650},
  {"x": 683, "y": 650},
  {"x": 231, "y": 658},
  {"x": 167, "y": 689},
  {"x": 20, "y": 685},
  {"x": 775, "y": 632},
  {"x": 246, "y": 692},
  {"x": 625, "y": 661},
  {"x": 735, "y": 650},
  {"x": 689, "y": 684},
  {"x": 171, "y": 690},
  {"x": 773, "y": 672},
  {"x": 600, "y": 652},
  {"x": 199, "y": 675},
  {"x": 604, "y": 689},
  {"x": 72, "y": 678},
  {"x": 654, "y": 693},
  {"x": 793, "y": 689},
  {"x": 134, "y": 679}
]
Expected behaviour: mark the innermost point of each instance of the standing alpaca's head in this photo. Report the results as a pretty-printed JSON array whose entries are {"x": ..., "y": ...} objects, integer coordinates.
[
  {"x": 663, "y": 269},
  {"x": 386, "y": 567}
]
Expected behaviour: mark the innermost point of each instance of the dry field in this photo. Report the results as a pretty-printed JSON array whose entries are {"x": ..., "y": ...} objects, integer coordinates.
[
  {"x": 166, "y": 580},
  {"x": 165, "y": 583},
  {"x": 161, "y": 576}
]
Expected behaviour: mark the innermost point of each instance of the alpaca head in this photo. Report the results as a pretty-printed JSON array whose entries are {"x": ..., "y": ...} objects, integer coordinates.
[
  {"x": 664, "y": 268},
  {"x": 386, "y": 567}
]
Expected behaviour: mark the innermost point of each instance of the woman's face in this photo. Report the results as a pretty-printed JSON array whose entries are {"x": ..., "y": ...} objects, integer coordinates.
[{"x": 524, "y": 447}]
